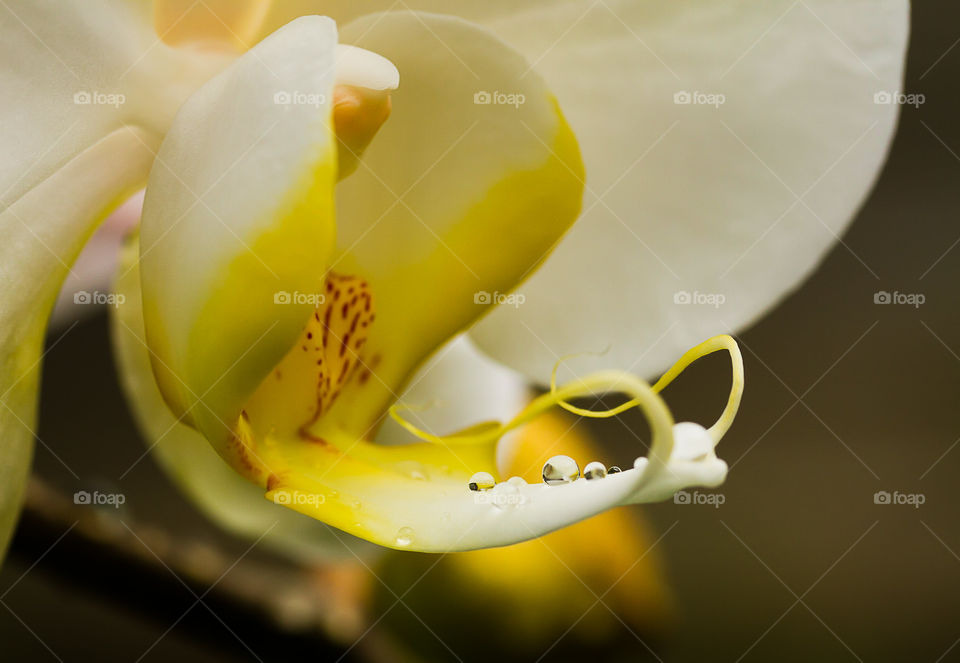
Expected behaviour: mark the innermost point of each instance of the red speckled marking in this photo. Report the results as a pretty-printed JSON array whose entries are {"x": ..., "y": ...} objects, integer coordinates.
[
  {"x": 241, "y": 458},
  {"x": 334, "y": 336},
  {"x": 272, "y": 481}
]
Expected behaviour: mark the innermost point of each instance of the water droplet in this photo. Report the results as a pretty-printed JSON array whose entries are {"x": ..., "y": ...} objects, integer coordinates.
[
  {"x": 560, "y": 469},
  {"x": 412, "y": 469},
  {"x": 482, "y": 481},
  {"x": 614, "y": 470},
  {"x": 505, "y": 488},
  {"x": 517, "y": 481},
  {"x": 594, "y": 470},
  {"x": 404, "y": 536}
]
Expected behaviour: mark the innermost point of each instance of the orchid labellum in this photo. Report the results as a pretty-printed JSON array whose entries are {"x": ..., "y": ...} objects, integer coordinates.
[{"x": 333, "y": 192}]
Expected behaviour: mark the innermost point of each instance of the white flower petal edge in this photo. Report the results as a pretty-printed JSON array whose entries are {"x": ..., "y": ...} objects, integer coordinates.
[
  {"x": 60, "y": 211},
  {"x": 96, "y": 265}
]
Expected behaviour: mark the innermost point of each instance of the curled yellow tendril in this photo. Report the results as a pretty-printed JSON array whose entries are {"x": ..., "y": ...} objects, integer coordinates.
[
  {"x": 642, "y": 394},
  {"x": 711, "y": 345}
]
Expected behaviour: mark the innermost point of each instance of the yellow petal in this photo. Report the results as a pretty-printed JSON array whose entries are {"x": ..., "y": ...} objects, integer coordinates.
[
  {"x": 415, "y": 496},
  {"x": 219, "y": 492},
  {"x": 239, "y": 209}
]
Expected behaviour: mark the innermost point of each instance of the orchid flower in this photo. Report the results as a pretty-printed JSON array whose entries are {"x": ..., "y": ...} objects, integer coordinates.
[{"x": 329, "y": 205}]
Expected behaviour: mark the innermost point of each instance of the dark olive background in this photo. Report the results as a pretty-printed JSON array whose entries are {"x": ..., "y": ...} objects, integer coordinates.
[{"x": 845, "y": 398}]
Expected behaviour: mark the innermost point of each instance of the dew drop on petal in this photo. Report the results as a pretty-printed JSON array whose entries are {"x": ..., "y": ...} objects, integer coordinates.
[
  {"x": 594, "y": 470},
  {"x": 517, "y": 481},
  {"x": 404, "y": 536},
  {"x": 506, "y": 495},
  {"x": 505, "y": 488},
  {"x": 412, "y": 469},
  {"x": 614, "y": 470},
  {"x": 482, "y": 481},
  {"x": 560, "y": 469}
]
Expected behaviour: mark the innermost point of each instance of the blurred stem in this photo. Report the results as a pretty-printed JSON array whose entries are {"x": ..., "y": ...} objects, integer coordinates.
[{"x": 271, "y": 603}]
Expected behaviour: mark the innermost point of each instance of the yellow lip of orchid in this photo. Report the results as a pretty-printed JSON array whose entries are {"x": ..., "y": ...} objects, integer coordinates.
[{"x": 285, "y": 347}]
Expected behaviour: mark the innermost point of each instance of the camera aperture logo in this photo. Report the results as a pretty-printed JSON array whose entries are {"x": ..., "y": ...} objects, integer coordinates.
[
  {"x": 696, "y": 298},
  {"x": 497, "y": 98},
  {"x": 914, "y": 299},
  {"x": 83, "y": 297},
  {"x": 916, "y": 500},
  {"x": 96, "y": 498},
  {"x": 295, "y": 497},
  {"x": 298, "y": 98},
  {"x": 315, "y": 299},
  {"x": 484, "y": 298},
  {"x": 698, "y": 98},
  {"x": 96, "y": 98},
  {"x": 716, "y": 500}
]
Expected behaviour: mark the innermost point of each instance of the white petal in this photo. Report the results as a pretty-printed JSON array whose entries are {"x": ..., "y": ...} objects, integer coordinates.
[
  {"x": 78, "y": 135},
  {"x": 740, "y": 201},
  {"x": 362, "y": 68},
  {"x": 73, "y": 72},
  {"x": 458, "y": 387},
  {"x": 43, "y": 231}
]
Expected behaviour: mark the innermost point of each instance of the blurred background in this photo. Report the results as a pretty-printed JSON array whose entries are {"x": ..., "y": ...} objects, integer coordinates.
[{"x": 797, "y": 558}]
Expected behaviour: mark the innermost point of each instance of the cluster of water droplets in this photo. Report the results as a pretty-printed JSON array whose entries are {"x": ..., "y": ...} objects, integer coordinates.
[{"x": 556, "y": 471}]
